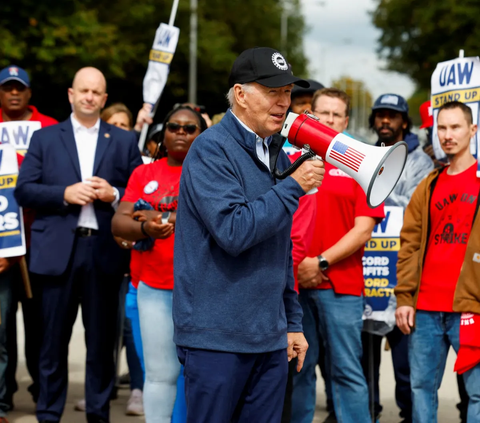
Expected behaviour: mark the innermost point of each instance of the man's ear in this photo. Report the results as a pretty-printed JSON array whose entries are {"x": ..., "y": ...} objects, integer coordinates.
[
  {"x": 474, "y": 129},
  {"x": 240, "y": 95},
  {"x": 70, "y": 95}
]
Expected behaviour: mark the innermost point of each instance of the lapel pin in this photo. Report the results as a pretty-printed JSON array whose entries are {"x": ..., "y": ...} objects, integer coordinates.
[{"x": 107, "y": 135}]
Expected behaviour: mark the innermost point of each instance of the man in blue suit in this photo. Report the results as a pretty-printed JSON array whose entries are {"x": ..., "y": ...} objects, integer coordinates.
[{"x": 73, "y": 176}]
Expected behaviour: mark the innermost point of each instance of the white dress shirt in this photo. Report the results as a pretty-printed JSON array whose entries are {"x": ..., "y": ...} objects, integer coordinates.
[
  {"x": 261, "y": 145},
  {"x": 86, "y": 141}
]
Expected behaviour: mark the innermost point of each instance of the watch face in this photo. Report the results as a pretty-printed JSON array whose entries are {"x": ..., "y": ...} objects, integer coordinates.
[{"x": 323, "y": 263}]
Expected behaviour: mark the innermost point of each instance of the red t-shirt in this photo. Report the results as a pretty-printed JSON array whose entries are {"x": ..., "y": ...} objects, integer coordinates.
[
  {"x": 302, "y": 233},
  {"x": 339, "y": 201},
  {"x": 452, "y": 208},
  {"x": 37, "y": 116},
  {"x": 158, "y": 184}
]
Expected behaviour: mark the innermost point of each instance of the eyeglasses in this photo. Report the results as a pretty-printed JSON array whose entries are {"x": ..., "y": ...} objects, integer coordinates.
[{"x": 190, "y": 128}]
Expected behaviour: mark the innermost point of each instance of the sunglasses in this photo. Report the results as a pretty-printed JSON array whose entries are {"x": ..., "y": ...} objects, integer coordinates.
[{"x": 175, "y": 127}]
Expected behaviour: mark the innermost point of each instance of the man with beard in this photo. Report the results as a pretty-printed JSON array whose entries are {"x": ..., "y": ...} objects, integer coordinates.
[
  {"x": 438, "y": 269},
  {"x": 390, "y": 120}
]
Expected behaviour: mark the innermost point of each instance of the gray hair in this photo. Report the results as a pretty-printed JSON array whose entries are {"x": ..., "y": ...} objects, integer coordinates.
[{"x": 247, "y": 87}]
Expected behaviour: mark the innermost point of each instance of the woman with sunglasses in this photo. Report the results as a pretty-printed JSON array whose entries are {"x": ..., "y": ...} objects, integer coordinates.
[{"x": 157, "y": 185}]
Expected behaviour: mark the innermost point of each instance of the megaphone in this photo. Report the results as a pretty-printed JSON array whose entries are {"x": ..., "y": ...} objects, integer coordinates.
[{"x": 376, "y": 169}]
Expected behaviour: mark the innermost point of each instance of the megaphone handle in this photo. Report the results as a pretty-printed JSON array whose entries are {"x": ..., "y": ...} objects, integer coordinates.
[{"x": 304, "y": 151}]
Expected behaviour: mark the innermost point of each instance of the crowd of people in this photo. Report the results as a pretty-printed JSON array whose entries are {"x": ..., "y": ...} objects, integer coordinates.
[{"x": 227, "y": 285}]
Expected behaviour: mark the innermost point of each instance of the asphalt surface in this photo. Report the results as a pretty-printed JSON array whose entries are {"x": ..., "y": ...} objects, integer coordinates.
[{"x": 24, "y": 411}]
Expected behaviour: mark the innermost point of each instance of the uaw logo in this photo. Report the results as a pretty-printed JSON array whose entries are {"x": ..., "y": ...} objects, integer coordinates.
[
  {"x": 13, "y": 71},
  {"x": 467, "y": 319},
  {"x": 279, "y": 61},
  {"x": 338, "y": 172},
  {"x": 389, "y": 99}
]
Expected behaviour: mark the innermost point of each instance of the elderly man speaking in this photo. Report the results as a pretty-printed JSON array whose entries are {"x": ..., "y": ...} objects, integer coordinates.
[{"x": 236, "y": 314}]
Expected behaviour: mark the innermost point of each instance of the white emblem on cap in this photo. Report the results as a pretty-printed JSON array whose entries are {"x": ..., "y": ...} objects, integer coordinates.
[
  {"x": 13, "y": 71},
  {"x": 279, "y": 61},
  {"x": 151, "y": 187},
  {"x": 389, "y": 99}
]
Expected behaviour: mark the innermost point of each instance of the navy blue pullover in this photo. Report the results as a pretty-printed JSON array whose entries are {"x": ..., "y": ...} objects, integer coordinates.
[{"x": 233, "y": 262}]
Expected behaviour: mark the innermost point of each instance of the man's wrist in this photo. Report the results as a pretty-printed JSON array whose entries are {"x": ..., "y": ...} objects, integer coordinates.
[
  {"x": 323, "y": 263},
  {"x": 116, "y": 198},
  {"x": 142, "y": 228}
]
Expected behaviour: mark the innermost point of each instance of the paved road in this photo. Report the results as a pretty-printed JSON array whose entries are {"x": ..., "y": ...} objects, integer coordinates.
[{"x": 24, "y": 407}]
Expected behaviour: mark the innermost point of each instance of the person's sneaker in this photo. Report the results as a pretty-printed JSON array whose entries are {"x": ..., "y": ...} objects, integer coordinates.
[
  {"x": 135, "y": 404},
  {"x": 80, "y": 405}
]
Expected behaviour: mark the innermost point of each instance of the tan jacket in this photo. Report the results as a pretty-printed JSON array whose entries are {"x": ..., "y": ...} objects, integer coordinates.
[{"x": 414, "y": 239}]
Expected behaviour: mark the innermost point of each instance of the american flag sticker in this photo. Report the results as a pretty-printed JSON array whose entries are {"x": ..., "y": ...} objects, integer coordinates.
[{"x": 346, "y": 155}]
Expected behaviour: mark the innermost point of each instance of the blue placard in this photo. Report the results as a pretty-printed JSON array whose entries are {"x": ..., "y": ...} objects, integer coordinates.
[
  {"x": 12, "y": 233},
  {"x": 380, "y": 267}
]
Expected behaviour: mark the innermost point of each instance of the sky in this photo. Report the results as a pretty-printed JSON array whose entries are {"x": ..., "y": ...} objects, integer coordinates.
[{"x": 342, "y": 41}]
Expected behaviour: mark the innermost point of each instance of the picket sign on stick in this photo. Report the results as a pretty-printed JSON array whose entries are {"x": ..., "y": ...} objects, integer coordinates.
[
  {"x": 379, "y": 270},
  {"x": 12, "y": 231},
  {"x": 161, "y": 55},
  {"x": 459, "y": 80}
]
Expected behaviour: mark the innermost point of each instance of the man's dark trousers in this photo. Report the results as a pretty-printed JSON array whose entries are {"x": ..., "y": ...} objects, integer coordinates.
[
  {"x": 401, "y": 368},
  {"x": 86, "y": 283},
  {"x": 223, "y": 387}
]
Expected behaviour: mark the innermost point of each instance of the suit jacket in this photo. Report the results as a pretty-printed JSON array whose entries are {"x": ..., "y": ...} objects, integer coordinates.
[{"x": 50, "y": 165}]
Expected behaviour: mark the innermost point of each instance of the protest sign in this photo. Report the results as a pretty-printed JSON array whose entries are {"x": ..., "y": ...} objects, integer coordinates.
[
  {"x": 456, "y": 80},
  {"x": 380, "y": 267},
  {"x": 12, "y": 232},
  {"x": 18, "y": 133}
]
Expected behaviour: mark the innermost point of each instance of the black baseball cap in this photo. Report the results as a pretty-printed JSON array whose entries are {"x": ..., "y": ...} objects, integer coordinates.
[
  {"x": 314, "y": 86},
  {"x": 392, "y": 102},
  {"x": 265, "y": 66}
]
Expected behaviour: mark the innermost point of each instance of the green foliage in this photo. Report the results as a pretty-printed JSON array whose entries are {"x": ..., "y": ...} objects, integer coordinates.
[
  {"x": 419, "y": 97},
  {"x": 52, "y": 39},
  {"x": 417, "y": 34}
]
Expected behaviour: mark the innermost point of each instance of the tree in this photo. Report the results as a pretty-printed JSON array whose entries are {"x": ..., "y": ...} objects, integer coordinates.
[
  {"x": 416, "y": 35},
  {"x": 360, "y": 104},
  {"x": 52, "y": 39}
]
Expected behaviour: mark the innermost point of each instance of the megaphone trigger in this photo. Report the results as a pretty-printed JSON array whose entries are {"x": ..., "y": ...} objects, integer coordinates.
[{"x": 376, "y": 169}]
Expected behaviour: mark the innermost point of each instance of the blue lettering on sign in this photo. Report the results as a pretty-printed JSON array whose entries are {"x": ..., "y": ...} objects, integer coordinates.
[
  {"x": 5, "y": 139},
  {"x": 453, "y": 74},
  {"x": 165, "y": 38},
  {"x": 21, "y": 136},
  {"x": 1, "y": 157},
  {"x": 10, "y": 220},
  {"x": 383, "y": 224}
]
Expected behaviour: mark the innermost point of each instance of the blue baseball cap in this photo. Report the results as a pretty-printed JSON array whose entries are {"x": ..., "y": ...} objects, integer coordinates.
[
  {"x": 392, "y": 102},
  {"x": 14, "y": 73}
]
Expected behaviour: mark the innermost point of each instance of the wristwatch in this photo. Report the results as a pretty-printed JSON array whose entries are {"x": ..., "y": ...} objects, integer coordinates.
[{"x": 322, "y": 263}]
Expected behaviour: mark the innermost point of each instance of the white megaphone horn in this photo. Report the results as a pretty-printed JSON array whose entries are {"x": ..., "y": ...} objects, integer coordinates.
[{"x": 376, "y": 169}]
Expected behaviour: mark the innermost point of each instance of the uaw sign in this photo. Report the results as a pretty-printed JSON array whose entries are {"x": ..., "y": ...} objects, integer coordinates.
[
  {"x": 12, "y": 232},
  {"x": 161, "y": 55},
  {"x": 380, "y": 267},
  {"x": 456, "y": 80},
  {"x": 18, "y": 134}
]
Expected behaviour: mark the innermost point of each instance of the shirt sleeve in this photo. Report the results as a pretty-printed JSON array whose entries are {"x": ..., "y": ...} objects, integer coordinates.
[
  {"x": 302, "y": 228},
  {"x": 362, "y": 208},
  {"x": 134, "y": 189}
]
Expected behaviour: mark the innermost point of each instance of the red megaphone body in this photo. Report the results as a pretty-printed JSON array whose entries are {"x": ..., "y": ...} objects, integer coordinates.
[{"x": 376, "y": 169}]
